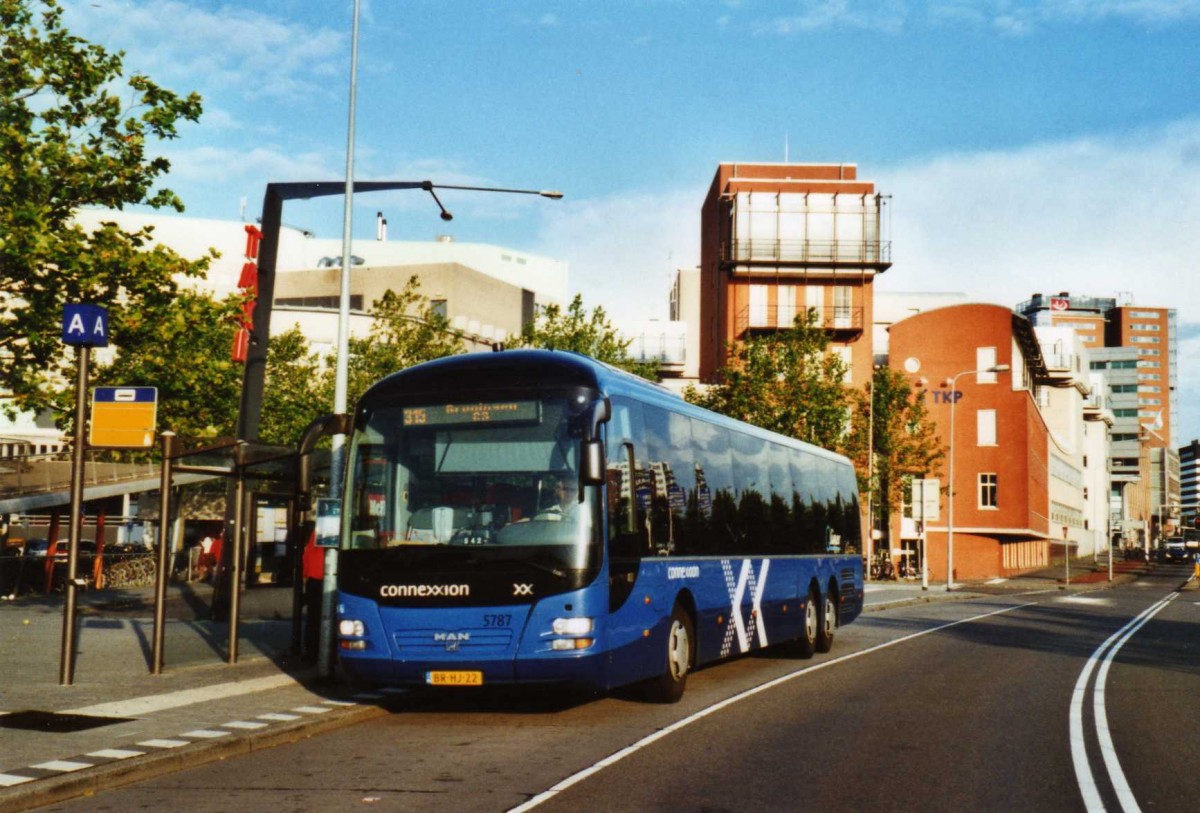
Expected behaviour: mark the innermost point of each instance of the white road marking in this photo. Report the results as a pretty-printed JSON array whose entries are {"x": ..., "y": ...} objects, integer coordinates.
[
  {"x": 245, "y": 725},
  {"x": 7, "y": 780},
  {"x": 312, "y": 709},
  {"x": 116, "y": 753},
  {"x": 650, "y": 739},
  {"x": 204, "y": 734},
  {"x": 279, "y": 717},
  {"x": 164, "y": 743},
  {"x": 62, "y": 765},
  {"x": 1086, "y": 600},
  {"x": 186, "y": 697},
  {"x": 1083, "y": 770}
]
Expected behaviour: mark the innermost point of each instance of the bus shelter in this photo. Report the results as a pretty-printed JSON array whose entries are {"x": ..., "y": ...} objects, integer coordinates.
[{"x": 254, "y": 472}]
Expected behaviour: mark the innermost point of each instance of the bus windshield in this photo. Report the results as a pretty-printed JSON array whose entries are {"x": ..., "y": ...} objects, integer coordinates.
[{"x": 466, "y": 478}]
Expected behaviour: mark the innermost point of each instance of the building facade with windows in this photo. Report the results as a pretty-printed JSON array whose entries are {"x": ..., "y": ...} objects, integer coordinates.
[
  {"x": 779, "y": 241},
  {"x": 1000, "y": 442},
  {"x": 1136, "y": 348},
  {"x": 1189, "y": 483}
]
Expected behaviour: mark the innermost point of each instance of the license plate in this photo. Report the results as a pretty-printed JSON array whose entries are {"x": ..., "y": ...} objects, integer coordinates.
[{"x": 454, "y": 678}]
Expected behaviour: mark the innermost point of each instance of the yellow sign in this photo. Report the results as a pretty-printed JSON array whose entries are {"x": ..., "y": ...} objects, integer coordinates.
[{"x": 123, "y": 417}]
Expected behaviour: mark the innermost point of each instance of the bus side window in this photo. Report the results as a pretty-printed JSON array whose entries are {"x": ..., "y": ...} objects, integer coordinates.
[{"x": 626, "y": 514}]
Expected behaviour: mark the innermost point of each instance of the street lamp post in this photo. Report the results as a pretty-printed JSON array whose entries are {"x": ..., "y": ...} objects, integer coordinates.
[{"x": 952, "y": 382}]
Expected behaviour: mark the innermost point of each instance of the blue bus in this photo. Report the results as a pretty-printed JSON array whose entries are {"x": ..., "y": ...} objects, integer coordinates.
[{"x": 532, "y": 516}]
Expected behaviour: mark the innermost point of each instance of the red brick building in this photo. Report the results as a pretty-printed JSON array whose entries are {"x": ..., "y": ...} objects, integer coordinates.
[
  {"x": 1001, "y": 511},
  {"x": 779, "y": 239}
]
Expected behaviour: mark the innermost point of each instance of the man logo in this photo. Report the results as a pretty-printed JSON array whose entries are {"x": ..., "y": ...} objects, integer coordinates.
[{"x": 522, "y": 589}]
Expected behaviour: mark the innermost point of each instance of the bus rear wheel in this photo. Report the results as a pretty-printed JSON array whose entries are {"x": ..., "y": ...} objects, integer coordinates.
[
  {"x": 668, "y": 687},
  {"x": 828, "y": 622},
  {"x": 806, "y": 645}
]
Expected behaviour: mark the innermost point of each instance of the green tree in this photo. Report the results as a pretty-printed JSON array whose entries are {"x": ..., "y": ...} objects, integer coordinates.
[
  {"x": 591, "y": 334},
  {"x": 890, "y": 417},
  {"x": 73, "y": 134},
  {"x": 294, "y": 393},
  {"x": 787, "y": 382},
  {"x": 405, "y": 330}
]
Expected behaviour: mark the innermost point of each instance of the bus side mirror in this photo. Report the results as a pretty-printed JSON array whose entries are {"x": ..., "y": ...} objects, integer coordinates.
[{"x": 592, "y": 471}]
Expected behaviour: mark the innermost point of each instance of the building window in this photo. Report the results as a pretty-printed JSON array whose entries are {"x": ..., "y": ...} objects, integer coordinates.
[
  {"x": 438, "y": 306},
  {"x": 785, "y": 305},
  {"x": 987, "y": 491},
  {"x": 1144, "y": 314},
  {"x": 985, "y": 358},
  {"x": 843, "y": 297},
  {"x": 985, "y": 427},
  {"x": 1140, "y": 326},
  {"x": 1144, "y": 339},
  {"x": 758, "y": 306}
]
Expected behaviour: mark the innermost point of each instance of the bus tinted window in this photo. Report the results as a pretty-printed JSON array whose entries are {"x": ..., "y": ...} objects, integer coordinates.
[
  {"x": 750, "y": 473},
  {"x": 627, "y": 533},
  {"x": 673, "y": 475},
  {"x": 716, "y": 508}
]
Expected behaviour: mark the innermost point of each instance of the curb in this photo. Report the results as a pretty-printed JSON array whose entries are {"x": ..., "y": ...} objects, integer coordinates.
[{"x": 115, "y": 774}]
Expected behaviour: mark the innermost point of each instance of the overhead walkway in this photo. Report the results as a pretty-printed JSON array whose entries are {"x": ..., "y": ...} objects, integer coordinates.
[{"x": 43, "y": 483}]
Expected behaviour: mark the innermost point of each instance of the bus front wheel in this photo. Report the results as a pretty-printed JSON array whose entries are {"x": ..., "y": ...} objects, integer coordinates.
[{"x": 668, "y": 687}]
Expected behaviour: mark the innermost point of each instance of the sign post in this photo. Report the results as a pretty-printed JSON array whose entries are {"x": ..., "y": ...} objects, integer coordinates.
[
  {"x": 83, "y": 327},
  {"x": 926, "y": 503}
]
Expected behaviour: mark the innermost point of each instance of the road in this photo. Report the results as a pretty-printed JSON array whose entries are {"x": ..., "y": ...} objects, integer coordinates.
[{"x": 1036, "y": 702}]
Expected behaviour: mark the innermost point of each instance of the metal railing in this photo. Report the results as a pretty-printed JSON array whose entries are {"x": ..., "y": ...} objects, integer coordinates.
[
  {"x": 865, "y": 252},
  {"x": 762, "y": 317},
  {"x": 37, "y": 474}
]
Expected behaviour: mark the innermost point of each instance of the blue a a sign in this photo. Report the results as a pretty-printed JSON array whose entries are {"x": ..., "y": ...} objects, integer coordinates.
[{"x": 85, "y": 325}]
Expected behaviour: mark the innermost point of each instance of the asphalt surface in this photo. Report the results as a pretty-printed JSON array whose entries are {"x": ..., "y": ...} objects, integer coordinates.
[{"x": 116, "y": 723}]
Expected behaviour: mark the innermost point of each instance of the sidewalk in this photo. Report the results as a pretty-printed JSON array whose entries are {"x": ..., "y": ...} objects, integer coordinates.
[{"x": 117, "y": 723}]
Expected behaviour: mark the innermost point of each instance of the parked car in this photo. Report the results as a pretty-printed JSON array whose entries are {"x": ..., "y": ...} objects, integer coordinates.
[{"x": 1174, "y": 550}]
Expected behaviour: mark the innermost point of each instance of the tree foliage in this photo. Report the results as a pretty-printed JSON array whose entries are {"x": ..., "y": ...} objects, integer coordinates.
[
  {"x": 787, "y": 382},
  {"x": 294, "y": 391},
  {"x": 890, "y": 417},
  {"x": 591, "y": 334},
  {"x": 406, "y": 330},
  {"x": 72, "y": 134}
]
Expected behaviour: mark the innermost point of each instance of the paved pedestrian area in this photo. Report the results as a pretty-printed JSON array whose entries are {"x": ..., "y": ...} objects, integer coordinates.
[{"x": 117, "y": 722}]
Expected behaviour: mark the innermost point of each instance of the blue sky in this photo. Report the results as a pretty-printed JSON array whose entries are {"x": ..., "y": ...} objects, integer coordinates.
[{"x": 1027, "y": 146}]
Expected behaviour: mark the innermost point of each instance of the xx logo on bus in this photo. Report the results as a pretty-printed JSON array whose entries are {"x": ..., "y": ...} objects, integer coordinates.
[
  {"x": 522, "y": 589},
  {"x": 737, "y": 626}
]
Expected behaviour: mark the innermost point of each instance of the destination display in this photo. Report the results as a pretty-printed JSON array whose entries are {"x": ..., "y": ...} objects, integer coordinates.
[{"x": 458, "y": 414}]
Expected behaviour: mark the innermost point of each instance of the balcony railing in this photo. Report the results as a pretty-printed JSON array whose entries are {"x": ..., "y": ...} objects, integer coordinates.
[
  {"x": 665, "y": 348},
  {"x": 853, "y": 252},
  {"x": 762, "y": 319}
]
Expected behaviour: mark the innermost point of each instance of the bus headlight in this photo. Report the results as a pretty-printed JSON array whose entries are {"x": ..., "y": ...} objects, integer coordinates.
[
  {"x": 572, "y": 626},
  {"x": 350, "y": 628}
]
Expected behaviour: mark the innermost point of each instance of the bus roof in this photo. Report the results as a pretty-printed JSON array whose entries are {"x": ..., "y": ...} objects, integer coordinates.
[{"x": 525, "y": 369}]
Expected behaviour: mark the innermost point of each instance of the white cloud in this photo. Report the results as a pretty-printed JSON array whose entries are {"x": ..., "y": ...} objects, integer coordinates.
[
  {"x": 181, "y": 44},
  {"x": 1090, "y": 215},
  {"x": 815, "y": 15},
  {"x": 623, "y": 250}
]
